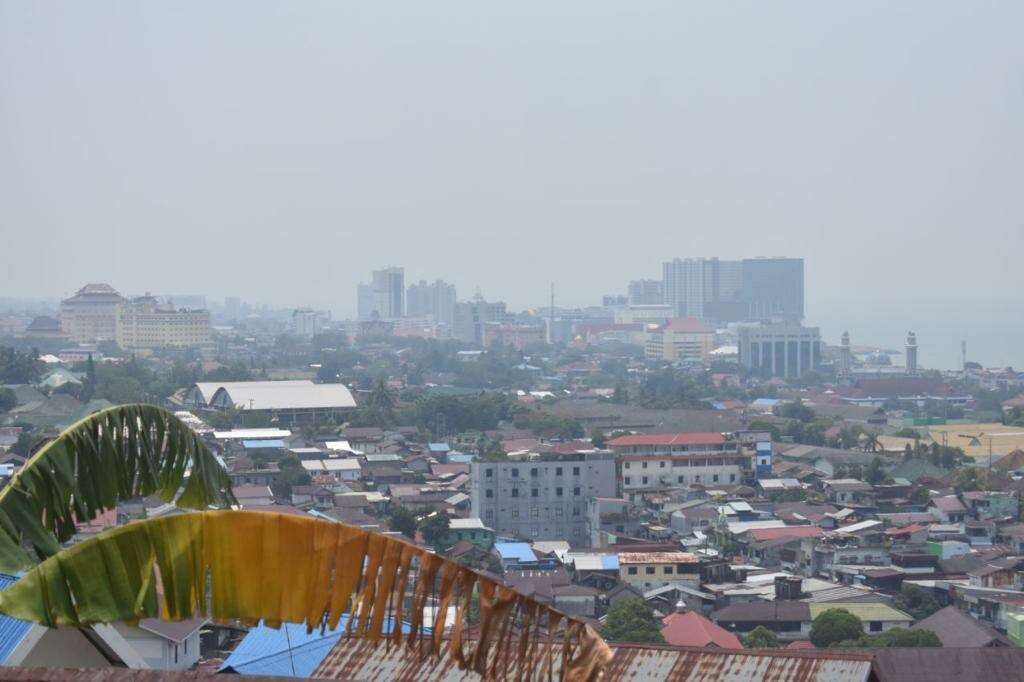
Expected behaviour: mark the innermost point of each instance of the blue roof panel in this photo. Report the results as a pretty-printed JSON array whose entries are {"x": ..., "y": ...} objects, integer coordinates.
[
  {"x": 256, "y": 444},
  {"x": 517, "y": 551},
  {"x": 610, "y": 562},
  {"x": 12, "y": 630}
]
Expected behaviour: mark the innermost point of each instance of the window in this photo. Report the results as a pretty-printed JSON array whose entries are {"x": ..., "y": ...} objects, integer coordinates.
[
  {"x": 534, "y": 512},
  {"x": 626, "y": 480},
  {"x": 681, "y": 568},
  {"x": 575, "y": 511},
  {"x": 534, "y": 472},
  {"x": 732, "y": 478},
  {"x": 644, "y": 480},
  {"x": 489, "y": 473},
  {"x": 682, "y": 479},
  {"x": 696, "y": 478},
  {"x": 534, "y": 492},
  {"x": 627, "y": 465},
  {"x": 575, "y": 471},
  {"x": 644, "y": 465},
  {"x": 576, "y": 491},
  {"x": 489, "y": 514},
  {"x": 715, "y": 478},
  {"x": 559, "y": 511},
  {"x": 661, "y": 465},
  {"x": 558, "y": 492},
  {"x": 876, "y": 626},
  {"x": 515, "y": 473},
  {"x": 488, "y": 493},
  {"x": 515, "y": 492},
  {"x": 631, "y": 570},
  {"x": 649, "y": 570},
  {"x": 515, "y": 512},
  {"x": 558, "y": 471},
  {"x": 667, "y": 570}
]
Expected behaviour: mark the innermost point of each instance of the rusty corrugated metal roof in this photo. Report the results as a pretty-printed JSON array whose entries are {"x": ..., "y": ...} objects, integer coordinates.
[{"x": 359, "y": 659}]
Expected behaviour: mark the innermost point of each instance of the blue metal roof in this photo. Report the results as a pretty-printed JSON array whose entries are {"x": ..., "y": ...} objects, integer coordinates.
[
  {"x": 287, "y": 652},
  {"x": 610, "y": 562},
  {"x": 438, "y": 447},
  {"x": 256, "y": 444},
  {"x": 460, "y": 459},
  {"x": 516, "y": 551},
  {"x": 12, "y": 630}
]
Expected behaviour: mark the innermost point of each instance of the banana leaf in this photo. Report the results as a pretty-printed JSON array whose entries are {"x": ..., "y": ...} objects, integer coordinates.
[
  {"x": 112, "y": 455},
  {"x": 238, "y": 566}
]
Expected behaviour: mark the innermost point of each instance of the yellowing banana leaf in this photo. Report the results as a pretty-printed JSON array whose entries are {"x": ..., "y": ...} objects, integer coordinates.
[
  {"x": 253, "y": 566},
  {"x": 112, "y": 455}
]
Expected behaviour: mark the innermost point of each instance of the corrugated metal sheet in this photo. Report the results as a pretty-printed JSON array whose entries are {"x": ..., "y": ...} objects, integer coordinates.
[
  {"x": 12, "y": 630},
  {"x": 864, "y": 610},
  {"x": 355, "y": 659}
]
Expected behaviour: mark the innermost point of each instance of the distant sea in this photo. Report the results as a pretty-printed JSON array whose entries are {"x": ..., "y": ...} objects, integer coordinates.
[{"x": 994, "y": 330}]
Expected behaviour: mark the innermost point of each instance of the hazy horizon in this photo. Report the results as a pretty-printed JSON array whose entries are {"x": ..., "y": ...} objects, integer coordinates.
[{"x": 280, "y": 152}]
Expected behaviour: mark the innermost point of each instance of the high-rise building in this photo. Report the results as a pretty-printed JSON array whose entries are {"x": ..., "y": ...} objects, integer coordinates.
[
  {"x": 471, "y": 318},
  {"x": 780, "y": 350},
  {"x": 773, "y": 289},
  {"x": 384, "y": 297},
  {"x": 307, "y": 322},
  {"x": 911, "y": 352},
  {"x": 646, "y": 292},
  {"x": 730, "y": 291},
  {"x": 435, "y": 299},
  {"x": 845, "y": 355},
  {"x": 91, "y": 314}
]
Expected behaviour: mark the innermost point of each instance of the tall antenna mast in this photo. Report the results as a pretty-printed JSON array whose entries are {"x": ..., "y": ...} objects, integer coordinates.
[{"x": 551, "y": 317}]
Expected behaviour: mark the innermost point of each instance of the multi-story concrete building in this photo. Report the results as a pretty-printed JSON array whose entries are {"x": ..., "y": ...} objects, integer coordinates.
[
  {"x": 681, "y": 339},
  {"x": 544, "y": 497},
  {"x": 648, "y": 570},
  {"x": 649, "y": 462},
  {"x": 306, "y": 322},
  {"x": 646, "y": 292},
  {"x": 471, "y": 317},
  {"x": 384, "y": 297},
  {"x": 735, "y": 290},
  {"x": 780, "y": 350},
  {"x": 144, "y": 322},
  {"x": 436, "y": 299},
  {"x": 91, "y": 314}
]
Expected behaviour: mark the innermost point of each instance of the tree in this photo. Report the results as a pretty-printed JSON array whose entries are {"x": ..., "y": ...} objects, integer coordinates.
[
  {"x": 403, "y": 521},
  {"x": 597, "y": 438},
  {"x": 833, "y": 626},
  {"x": 795, "y": 410},
  {"x": 896, "y": 637},
  {"x": 870, "y": 442},
  {"x": 292, "y": 474},
  {"x": 632, "y": 620},
  {"x": 89, "y": 385},
  {"x": 916, "y": 601},
  {"x": 8, "y": 400},
  {"x": 382, "y": 397},
  {"x": 761, "y": 638},
  {"x": 96, "y": 473},
  {"x": 435, "y": 528},
  {"x": 17, "y": 367},
  {"x": 875, "y": 473}
]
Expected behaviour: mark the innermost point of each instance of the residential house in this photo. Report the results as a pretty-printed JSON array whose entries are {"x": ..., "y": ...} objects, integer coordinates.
[
  {"x": 469, "y": 530},
  {"x": 957, "y": 629},
  {"x": 647, "y": 570},
  {"x": 947, "y": 509},
  {"x": 689, "y": 628}
]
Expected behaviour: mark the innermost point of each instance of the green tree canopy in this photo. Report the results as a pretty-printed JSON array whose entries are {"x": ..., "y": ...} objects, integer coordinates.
[
  {"x": 896, "y": 637},
  {"x": 403, "y": 521},
  {"x": 795, "y": 410},
  {"x": 761, "y": 638},
  {"x": 632, "y": 620},
  {"x": 8, "y": 400},
  {"x": 833, "y": 626},
  {"x": 435, "y": 528},
  {"x": 916, "y": 601}
]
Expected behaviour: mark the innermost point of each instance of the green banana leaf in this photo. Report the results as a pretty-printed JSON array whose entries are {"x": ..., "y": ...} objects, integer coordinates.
[{"x": 112, "y": 455}]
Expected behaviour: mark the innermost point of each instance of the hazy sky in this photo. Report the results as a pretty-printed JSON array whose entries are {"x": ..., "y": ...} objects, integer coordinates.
[{"x": 280, "y": 151}]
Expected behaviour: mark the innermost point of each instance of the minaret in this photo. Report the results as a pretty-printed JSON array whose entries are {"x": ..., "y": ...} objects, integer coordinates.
[
  {"x": 911, "y": 352},
  {"x": 845, "y": 356}
]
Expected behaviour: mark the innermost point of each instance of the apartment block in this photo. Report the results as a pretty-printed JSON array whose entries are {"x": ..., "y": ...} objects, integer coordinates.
[{"x": 649, "y": 462}]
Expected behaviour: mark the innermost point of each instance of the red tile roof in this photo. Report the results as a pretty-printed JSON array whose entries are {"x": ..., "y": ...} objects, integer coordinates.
[
  {"x": 688, "y": 325},
  {"x": 760, "y": 534},
  {"x": 697, "y": 438},
  {"x": 693, "y": 629}
]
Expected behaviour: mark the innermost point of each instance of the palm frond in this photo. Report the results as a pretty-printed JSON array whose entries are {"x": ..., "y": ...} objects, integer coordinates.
[
  {"x": 253, "y": 566},
  {"x": 112, "y": 455}
]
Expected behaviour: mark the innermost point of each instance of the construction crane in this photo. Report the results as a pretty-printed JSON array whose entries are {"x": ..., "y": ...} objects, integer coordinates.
[{"x": 976, "y": 440}]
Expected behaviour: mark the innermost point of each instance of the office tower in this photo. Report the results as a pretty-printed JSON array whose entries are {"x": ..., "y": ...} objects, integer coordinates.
[
  {"x": 773, "y": 289},
  {"x": 845, "y": 355},
  {"x": 384, "y": 297},
  {"x": 435, "y": 299},
  {"x": 646, "y": 292}
]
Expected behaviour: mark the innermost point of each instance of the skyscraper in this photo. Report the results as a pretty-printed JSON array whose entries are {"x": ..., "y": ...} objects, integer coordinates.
[
  {"x": 436, "y": 299},
  {"x": 384, "y": 297},
  {"x": 731, "y": 290},
  {"x": 646, "y": 292}
]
